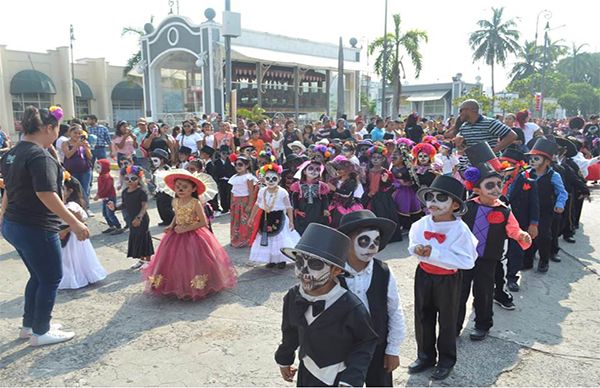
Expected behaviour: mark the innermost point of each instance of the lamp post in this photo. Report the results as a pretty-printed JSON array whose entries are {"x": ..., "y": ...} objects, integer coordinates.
[
  {"x": 228, "y": 62},
  {"x": 547, "y": 15},
  {"x": 543, "y": 85},
  {"x": 71, "y": 39},
  {"x": 385, "y": 59}
]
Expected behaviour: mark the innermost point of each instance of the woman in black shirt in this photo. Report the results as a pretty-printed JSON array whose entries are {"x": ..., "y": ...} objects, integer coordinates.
[{"x": 31, "y": 215}]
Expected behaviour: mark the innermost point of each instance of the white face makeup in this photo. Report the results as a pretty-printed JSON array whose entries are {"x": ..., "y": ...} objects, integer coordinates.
[
  {"x": 438, "y": 203},
  {"x": 97, "y": 168},
  {"x": 377, "y": 159},
  {"x": 536, "y": 161},
  {"x": 366, "y": 244},
  {"x": 272, "y": 179},
  {"x": 313, "y": 171},
  {"x": 423, "y": 158},
  {"x": 312, "y": 272},
  {"x": 155, "y": 162},
  {"x": 491, "y": 188}
]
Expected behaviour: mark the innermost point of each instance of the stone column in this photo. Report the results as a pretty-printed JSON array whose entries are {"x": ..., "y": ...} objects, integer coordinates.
[
  {"x": 6, "y": 114},
  {"x": 64, "y": 82}
]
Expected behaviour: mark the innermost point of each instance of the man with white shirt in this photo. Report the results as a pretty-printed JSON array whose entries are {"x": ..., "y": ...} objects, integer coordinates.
[{"x": 376, "y": 287}]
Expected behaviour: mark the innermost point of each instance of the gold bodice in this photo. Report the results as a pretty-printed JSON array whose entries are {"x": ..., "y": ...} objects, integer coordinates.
[{"x": 184, "y": 214}]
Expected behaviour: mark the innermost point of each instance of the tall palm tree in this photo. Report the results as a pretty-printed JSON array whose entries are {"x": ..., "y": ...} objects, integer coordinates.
[
  {"x": 527, "y": 66},
  {"x": 409, "y": 43},
  {"x": 136, "y": 57},
  {"x": 575, "y": 55},
  {"x": 494, "y": 40}
]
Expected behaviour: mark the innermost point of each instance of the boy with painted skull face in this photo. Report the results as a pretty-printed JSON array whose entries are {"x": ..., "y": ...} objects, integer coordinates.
[
  {"x": 444, "y": 246},
  {"x": 330, "y": 325},
  {"x": 552, "y": 200},
  {"x": 376, "y": 287},
  {"x": 492, "y": 222},
  {"x": 273, "y": 220}
]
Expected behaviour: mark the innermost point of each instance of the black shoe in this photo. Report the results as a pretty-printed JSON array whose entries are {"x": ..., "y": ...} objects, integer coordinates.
[
  {"x": 478, "y": 334},
  {"x": 109, "y": 230},
  {"x": 281, "y": 265},
  {"x": 527, "y": 267},
  {"x": 570, "y": 240},
  {"x": 542, "y": 267},
  {"x": 513, "y": 286},
  {"x": 440, "y": 373},
  {"x": 117, "y": 231},
  {"x": 555, "y": 259},
  {"x": 506, "y": 305},
  {"x": 420, "y": 365},
  {"x": 163, "y": 223},
  {"x": 270, "y": 265}
]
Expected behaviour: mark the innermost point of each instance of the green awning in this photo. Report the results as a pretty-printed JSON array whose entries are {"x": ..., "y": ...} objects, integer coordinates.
[
  {"x": 82, "y": 90},
  {"x": 31, "y": 81},
  {"x": 127, "y": 90}
]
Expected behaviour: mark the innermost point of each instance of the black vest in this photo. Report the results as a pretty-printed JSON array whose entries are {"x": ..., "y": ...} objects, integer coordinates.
[
  {"x": 377, "y": 297},
  {"x": 494, "y": 245},
  {"x": 546, "y": 193},
  {"x": 522, "y": 202}
]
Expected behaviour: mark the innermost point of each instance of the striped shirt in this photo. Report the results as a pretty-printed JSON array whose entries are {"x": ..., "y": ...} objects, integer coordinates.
[{"x": 484, "y": 129}]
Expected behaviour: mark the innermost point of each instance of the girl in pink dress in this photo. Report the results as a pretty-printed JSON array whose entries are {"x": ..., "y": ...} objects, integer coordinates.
[{"x": 189, "y": 263}]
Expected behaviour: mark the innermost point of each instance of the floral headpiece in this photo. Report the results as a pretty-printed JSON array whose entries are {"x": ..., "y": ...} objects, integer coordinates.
[
  {"x": 270, "y": 167},
  {"x": 472, "y": 176},
  {"x": 268, "y": 155},
  {"x": 377, "y": 149},
  {"x": 66, "y": 176},
  {"x": 405, "y": 142},
  {"x": 323, "y": 149},
  {"x": 56, "y": 112},
  {"x": 424, "y": 147},
  {"x": 431, "y": 140},
  {"x": 133, "y": 170},
  {"x": 235, "y": 157}
]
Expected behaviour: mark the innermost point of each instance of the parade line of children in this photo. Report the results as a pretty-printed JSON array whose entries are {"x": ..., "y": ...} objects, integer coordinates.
[{"x": 329, "y": 210}]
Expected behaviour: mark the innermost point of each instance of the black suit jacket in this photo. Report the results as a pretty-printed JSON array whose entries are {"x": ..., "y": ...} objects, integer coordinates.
[
  {"x": 343, "y": 332},
  {"x": 223, "y": 169}
]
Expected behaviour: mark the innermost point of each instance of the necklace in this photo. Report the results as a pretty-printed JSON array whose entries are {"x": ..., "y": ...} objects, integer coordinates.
[{"x": 269, "y": 206}]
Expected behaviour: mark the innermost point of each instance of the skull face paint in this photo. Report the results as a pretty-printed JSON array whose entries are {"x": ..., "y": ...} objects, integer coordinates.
[
  {"x": 423, "y": 158},
  {"x": 313, "y": 171},
  {"x": 438, "y": 203},
  {"x": 366, "y": 244},
  {"x": 155, "y": 162},
  {"x": 490, "y": 188},
  {"x": 536, "y": 161},
  {"x": 312, "y": 272},
  {"x": 377, "y": 159},
  {"x": 271, "y": 179}
]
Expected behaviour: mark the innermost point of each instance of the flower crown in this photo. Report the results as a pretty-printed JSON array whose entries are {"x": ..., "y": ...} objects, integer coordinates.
[
  {"x": 405, "y": 142},
  {"x": 267, "y": 154},
  {"x": 377, "y": 149},
  {"x": 270, "y": 167},
  {"x": 323, "y": 149},
  {"x": 56, "y": 112},
  {"x": 66, "y": 176},
  {"x": 431, "y": 140},
  {"x": 472, "y": 176},
  {"x": 133, "y": 170},
  {"x": 423, "y": 147}
]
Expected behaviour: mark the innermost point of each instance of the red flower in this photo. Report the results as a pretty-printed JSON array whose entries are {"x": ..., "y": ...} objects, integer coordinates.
[
  {"x": 495, "y": 217},
  {"x": 526, "y": 186}
]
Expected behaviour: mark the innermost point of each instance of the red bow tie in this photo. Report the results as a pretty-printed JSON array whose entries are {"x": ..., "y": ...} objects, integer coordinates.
[{"x": 440, "y": 237}]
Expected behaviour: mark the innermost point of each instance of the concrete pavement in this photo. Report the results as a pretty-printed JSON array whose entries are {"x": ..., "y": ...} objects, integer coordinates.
[{"x": 126, "y": 338}]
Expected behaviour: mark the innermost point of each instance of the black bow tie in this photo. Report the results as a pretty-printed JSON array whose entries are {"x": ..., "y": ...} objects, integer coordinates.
[{"x": 318, "y": 306}]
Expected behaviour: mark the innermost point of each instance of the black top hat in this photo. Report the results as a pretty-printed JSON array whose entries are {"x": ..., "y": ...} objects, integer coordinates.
[
  {"x": 292, "y": 159},
  {"x": 160, "y": 153},
  {"x": 185, "y": 150},
  {"x": 225, "y": 148},
  {"x": 480, "y": 153},
  {"x": 324, "y": 243},
  {"x": 360, "y": 219},
  {"x": 568, "y": 144},
  {"x": 513, "y": 154},
  {"x": 576, "y": 123},
  {"x": 544, "y": 147},
  {"x": 447, "y": 185},
  {"x": 207, "y": 150}
]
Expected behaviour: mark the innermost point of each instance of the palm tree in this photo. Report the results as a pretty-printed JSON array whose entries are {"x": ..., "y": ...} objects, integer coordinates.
[
  {"x": 527, "y": 65},
  {"x": 575, "y": 55},
  {"x": 494, "y": 41},
  {"x": 409, "y": 43},
  {"x": 136, "y": 57}
]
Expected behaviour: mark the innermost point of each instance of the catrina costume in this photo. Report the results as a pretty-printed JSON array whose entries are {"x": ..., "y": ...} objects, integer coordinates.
[
  {"x": 271, "y": 224},
  {"x": 424, "y": 168},
  {"x": 405, "y": 197},
  {"x": 310, "y": 198},
  {"x": 379, "y": 189},
  {"x": 343, "y": 199}
]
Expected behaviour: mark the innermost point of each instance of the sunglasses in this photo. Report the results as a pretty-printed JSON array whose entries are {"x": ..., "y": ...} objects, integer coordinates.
[
  {"x": 314, "y": 264},
  {"x": 492, "y": 185},
  {"x": 131, "y": 178},
  {"x": 439, "y": 197}
]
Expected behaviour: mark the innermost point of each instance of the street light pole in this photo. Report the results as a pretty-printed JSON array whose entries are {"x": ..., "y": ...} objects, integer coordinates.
[
  {"x": 385, "y": 59},
  {"x": 547, "y": 15},
  {"x": 228, "y": 64},
  {"x": 71, "y": 39},
  {"x": 543, "y": 86}
]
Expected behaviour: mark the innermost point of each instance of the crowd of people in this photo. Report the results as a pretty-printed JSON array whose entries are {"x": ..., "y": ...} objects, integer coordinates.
[{"x": 327, "y": 198}]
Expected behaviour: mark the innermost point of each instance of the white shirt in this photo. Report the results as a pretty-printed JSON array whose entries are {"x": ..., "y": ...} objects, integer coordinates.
[
  {"x": 210, "y": 140},
  {"x": 360, "y": 284},
  {"x": 447, "y": 162},
  {"x": 239, "y": 184},
  {"x": 327, "y": 374},
  {"x": 581, "y": 161},
  {"x": 459, "y": 249},
  {"x": 528, "y": 130},
  {"x": 190, "y": 140},
  {"x": 59, "y": 151}
]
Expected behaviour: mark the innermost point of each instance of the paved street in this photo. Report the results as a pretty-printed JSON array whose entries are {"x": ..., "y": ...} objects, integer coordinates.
[{"x": 126, "y": 338}]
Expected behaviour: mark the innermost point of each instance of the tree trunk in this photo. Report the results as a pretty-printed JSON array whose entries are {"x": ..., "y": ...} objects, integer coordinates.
[
  {"x": 493, "y": 90},
  {"x": 396, "y": 96}
]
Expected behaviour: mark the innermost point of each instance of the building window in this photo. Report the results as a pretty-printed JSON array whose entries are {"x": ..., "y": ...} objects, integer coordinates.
[
  {"x": 434, "y": 108},
  {"x": 128, "y": 110},
  {"x": 23, "y": 100},
  {"x": 82, "y": 107}
]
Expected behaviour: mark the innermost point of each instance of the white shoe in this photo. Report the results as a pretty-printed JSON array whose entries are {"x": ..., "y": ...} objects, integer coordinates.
[
  {"x": 27, "y": 332},
  {"x": 145, "y": 265},
  {"x": 51, "y": 337},
  {"x": 137, "y": 264}
]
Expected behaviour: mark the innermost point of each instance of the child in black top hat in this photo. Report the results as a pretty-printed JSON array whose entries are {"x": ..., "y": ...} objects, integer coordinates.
[
  {"x": 330, "y": 326},
  {"x": 223, "y": 170},
  {"x": 375, "y": 285},
  {"x": 444, "y": 245},
  {"x": 552, "y": 200},
  {"x": 492, "y": 222}
]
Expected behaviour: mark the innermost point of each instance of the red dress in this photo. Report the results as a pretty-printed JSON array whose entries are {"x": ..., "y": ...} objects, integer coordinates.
[{"x": 189, "y": 265}]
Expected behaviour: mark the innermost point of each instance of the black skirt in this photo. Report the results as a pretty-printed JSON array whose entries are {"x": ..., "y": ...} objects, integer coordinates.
[{"x": 140, "y": 240}]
